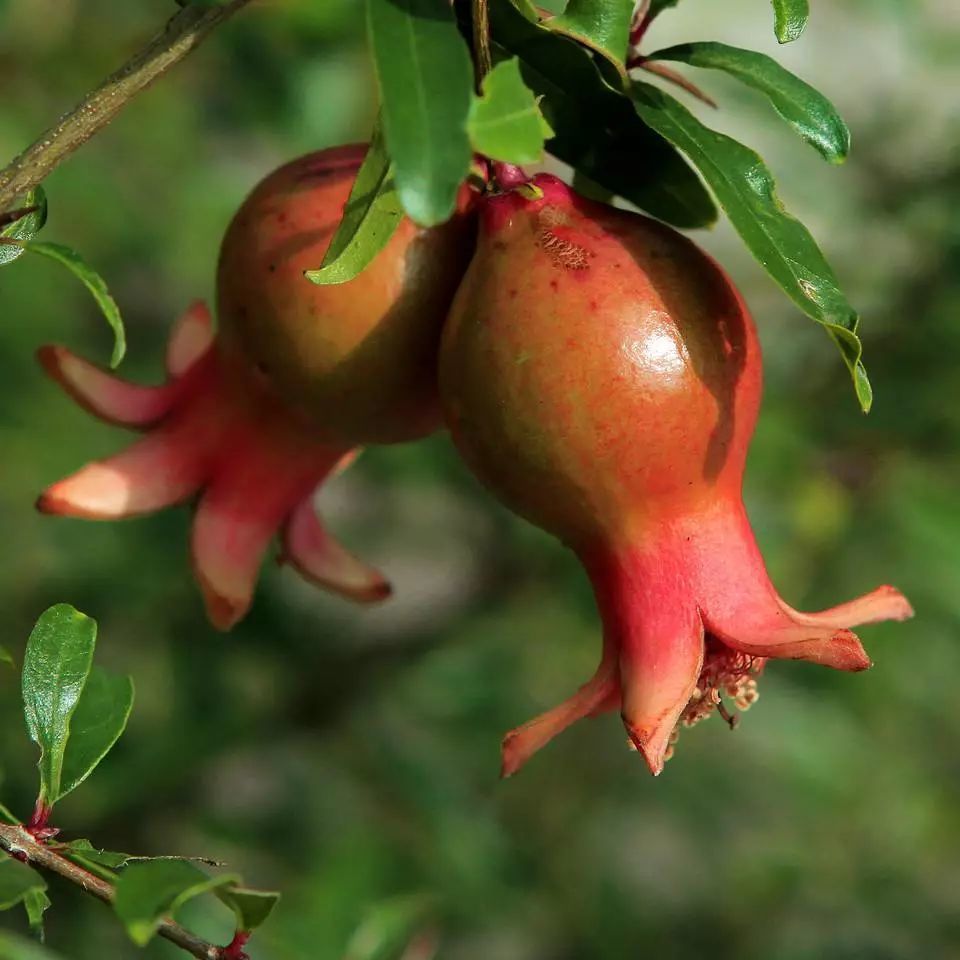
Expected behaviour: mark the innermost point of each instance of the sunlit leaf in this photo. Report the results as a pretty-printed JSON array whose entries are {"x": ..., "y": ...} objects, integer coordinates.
[
  {"x": 746, "y": 191},
  {"x": 251, "y": 907},
  {"x": 97, "y": 723},
  {"x": 790, "y": 18},
  {"x": 505, "y": 122},
  {"x": 370, "y": 218},
  {"x": 56, "y": 665},
  {"x": 94, "y": 283},
  {"x": 426, "y": 84},
  {"x": 602, "y": 25},
  {"x": 149, "y": 891},
  {"x": 807, "y": 110},
  {"x": 26, "y": 228}
]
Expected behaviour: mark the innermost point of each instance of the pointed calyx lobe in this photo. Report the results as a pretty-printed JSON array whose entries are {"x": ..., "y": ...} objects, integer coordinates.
[
  {"x": 602, "y": 375},
  {"x": 252, "y": 420}
]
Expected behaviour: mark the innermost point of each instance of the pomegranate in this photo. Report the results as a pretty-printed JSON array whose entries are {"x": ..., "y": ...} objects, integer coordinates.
[
  {"x": 602, "y": 376},
  {"x": 296, "y": 379}
]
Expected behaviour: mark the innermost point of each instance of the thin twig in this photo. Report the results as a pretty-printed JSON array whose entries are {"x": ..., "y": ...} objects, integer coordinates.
[
  {"x": 183, "y": 33},
  {"x": 482, "y": 57},
  {"x": 21, "y": 845},
  {"x": 671, "y": 76}
]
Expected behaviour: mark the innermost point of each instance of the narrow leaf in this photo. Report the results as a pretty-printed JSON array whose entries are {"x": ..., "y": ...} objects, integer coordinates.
[
  {"x": 36, "y": 903},
  {"x": 425, "y": 76},
  {"x": 94, "y": 283},
  {"x": 26, "y": 228},
  {"x": 807, "y": 110},
  {"x": 505, "y": 122},
  {"x": 251, "y": 907},
  {"x": 602, "y": 25},
  {"x": 99, "y": 720},
  {"x": 746, "y": 190},
  {"x": 790, "y": 17},
  {"x": 7, "y": 816},
  {"x": 147, "y": 892},
  {"x": 56, "y": 665},
  {"x": 5, "y": 657},
  {"x": 596, "y": 128},
  {"x": 16, "y": 882},
  {"x": 13, "y": 947},
  {"x": 370, "y": 218},
  {"x": 658, "y": 6}
]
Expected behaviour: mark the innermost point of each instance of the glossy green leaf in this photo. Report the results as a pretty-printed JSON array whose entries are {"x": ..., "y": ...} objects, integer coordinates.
[
  {"x": 602, "y": 25},
  {"x": 388, "y": 928},
  {"x": 149, "y": 891},
  {"x": 98, "y": 721},
  {"x": 94, "y": 283},
  {"x": 7, "y": 816},
  {"x": 252, "y": 908},
  {"x": 596, "y": 128},
  {"x": 56, "y": 665},
  {"x": 790, "y": 18},
  {"x": 505, "y": 122},
  {"x": 746, "y": 191},
  {"x": 807, "y": 110},
  {"x": 426, "y": 85},
  {"x": 370, "y": 218},
  {"x": 6, "y": 658},
  {"x": 26, "y": 228},
  {"x": 13, "y": 947}
]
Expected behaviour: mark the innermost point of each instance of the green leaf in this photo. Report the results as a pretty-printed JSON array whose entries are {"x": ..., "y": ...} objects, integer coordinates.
[
  {"x": 426, "y": 82},
  {"x": 658, "y": 6},
  {"x": 807, "y": 110},
  {"x": 26, "y": 228},
  {"x": 94, "y": 283},
  {"x": 20, "y": 948},
  {"x": 602, "y": 25},
  {"x": 99, "y": 720},
  {"x": 790, "y": 17},
  {"x": 7, "y": 816},
  {"x": 597, "y": 130},
  {"x": 251, "y": 907},
  {"x": 505, "y": 122},
  {"x": 16, "y": 881},
  {"x": 56, "y": 665},
  {"x": 388, "y": 928},
  {"x": 6, "y": 658},
  {"x": 370, "y": 218},
  {"x": 147, "y": 892},
  {"x": 746, "y": 190},
  {"x": 36, "y": 903}
]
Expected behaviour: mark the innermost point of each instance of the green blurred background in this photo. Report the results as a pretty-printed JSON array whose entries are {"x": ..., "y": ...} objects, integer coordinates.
[{"x": 349, "y": 757}]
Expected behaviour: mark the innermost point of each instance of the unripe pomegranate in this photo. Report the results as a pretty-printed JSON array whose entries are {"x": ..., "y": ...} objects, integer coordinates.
[
  {"x": 296, "y": 379},
  {"x": 602, "y": 376}
]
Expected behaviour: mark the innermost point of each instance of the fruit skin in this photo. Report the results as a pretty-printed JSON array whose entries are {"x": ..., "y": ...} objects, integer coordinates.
[
  {"x": 358, "y": 358},
  {"x": 602, "y": 376},
  {"x": 255, "y": 418}
]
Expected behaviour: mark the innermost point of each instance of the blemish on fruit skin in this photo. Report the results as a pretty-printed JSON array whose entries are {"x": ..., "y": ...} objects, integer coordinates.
[
  {"x": 554, "y": 285},
  {"x": 522, "y": 358},
  {"x": 513, "y": 294}
]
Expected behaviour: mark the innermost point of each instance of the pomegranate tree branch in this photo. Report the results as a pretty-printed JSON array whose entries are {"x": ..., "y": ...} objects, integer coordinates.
[
  {"x": 482, "y": 57},
  {"x": 19, "y": 843},
  {"x": 183, "y": 33}
]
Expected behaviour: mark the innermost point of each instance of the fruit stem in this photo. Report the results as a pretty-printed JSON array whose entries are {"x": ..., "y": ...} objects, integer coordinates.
[{"x": 482, "y": 57}]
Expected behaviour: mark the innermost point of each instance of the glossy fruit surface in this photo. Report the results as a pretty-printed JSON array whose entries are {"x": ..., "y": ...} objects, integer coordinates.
[{"x": 602, "y": 376}]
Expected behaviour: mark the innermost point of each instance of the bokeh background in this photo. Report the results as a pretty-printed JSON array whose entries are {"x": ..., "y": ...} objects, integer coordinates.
[{"x": 349, "y": 757}]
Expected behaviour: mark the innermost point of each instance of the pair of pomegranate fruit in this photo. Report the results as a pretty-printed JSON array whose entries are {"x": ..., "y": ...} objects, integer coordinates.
[{"x": 596, "y": 370}]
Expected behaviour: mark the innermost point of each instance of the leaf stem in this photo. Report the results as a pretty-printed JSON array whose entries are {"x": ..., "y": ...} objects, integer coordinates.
[
  {"x": 482, "y": 57},
  {"x": 20, "y": 844},
  {"x": 183, "y": 33}
]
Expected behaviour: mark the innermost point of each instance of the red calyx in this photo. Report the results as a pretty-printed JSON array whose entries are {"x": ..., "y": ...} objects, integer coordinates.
[{"x": 602, "y": 376}]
